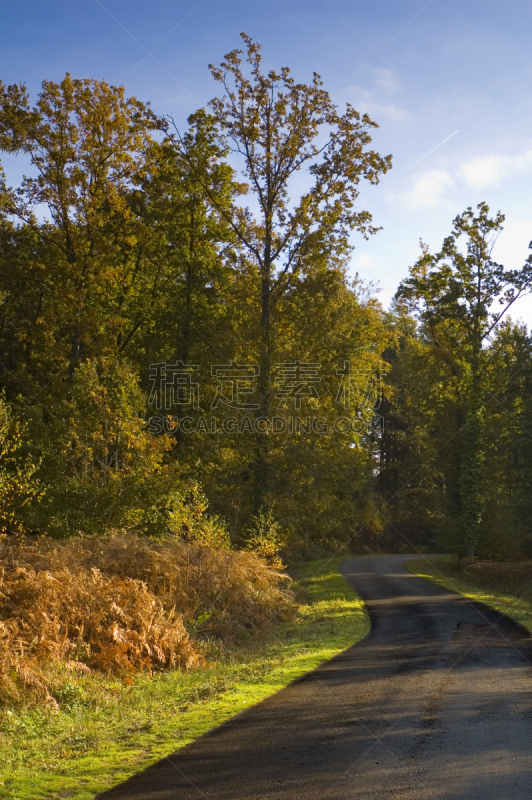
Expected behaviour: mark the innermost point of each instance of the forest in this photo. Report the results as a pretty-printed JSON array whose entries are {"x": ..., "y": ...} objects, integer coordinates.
[{"x": 184, "y": 351}]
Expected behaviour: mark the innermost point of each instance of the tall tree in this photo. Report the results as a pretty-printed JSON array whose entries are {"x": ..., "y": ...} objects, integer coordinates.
[
  {"x": 461, "y": 295},
  {"x": 88, "y": 147},
  {"x": 279, "y": 128}
]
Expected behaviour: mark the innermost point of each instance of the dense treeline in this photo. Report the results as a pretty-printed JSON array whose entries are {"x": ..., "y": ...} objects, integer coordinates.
[
  {"x": 455, "y": 455},
  {"x": 178, "y": 332}
]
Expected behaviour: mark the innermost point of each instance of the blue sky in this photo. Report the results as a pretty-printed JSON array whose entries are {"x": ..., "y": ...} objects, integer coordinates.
[{"x": 448, "y": 81}]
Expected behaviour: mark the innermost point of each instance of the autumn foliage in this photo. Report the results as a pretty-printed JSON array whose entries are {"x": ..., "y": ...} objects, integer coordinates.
[{"x": 124, "y": 604}]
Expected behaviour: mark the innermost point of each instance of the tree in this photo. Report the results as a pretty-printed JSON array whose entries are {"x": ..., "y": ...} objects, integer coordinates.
[
  {"x": 19, "y": 486},
  {"x": 507, "y": 530},
  {"x": 461, "y": 295},
  {"x": 102, "y": 466},
  {"x": 123, "y": 250},
  {"x": 415, "y": 474},
  {"x": 191, "y": 242},
  {"x": 279, "y": 128},
  {"x": 89, "y": 148}
]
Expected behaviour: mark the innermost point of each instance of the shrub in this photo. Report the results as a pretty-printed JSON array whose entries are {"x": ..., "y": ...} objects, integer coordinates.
[
  {"x": 187, "y": 517},
  {"x": 124, "y": 604},
  {"x": 514, "y": 576},
  {"x": 264, "y": 538}
]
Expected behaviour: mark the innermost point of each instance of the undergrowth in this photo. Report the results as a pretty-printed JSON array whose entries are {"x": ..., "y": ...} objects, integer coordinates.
[
  {"x": 108, "y": 727},
  {"x": 121, "y": 605}
]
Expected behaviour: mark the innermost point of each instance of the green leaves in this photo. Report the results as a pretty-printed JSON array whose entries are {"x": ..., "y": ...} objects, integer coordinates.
[
  {"x": 461, "y": 295},
  {"x": 18, "y": 483},
  {"x": 463, "y": 283},
  {"x": 125, "y": 248}
]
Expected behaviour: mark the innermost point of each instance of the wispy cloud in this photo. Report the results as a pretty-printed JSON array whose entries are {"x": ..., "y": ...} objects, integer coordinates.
[
  {"x": 387, "y": 80},
  {"x": 375, "y": 99},
  {"x": 432, "y": 188},
  {"x": 368, "y": 102}
]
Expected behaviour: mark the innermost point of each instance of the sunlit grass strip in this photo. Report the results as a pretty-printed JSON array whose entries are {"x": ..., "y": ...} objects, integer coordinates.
[
  {"x": 107, "y": 730},
  {"x": 442, "y": 570}
]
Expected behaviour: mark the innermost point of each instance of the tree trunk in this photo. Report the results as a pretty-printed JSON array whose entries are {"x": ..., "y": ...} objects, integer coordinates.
[
  {"x": 183, "y": 349},
  {"x": 261, "y": 466},
  {"x": 471, "y": 472}
]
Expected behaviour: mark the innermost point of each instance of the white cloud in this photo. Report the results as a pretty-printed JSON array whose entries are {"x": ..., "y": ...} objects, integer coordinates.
[
  {"x": 389, "y": 111},
  {"x": 429, "y": 189},
  {"x": 365, "y": 261},
  {"x": 511, "y": 248},
  {"x": 481, "y": 169},
  {"x": 490, "y": 169}
]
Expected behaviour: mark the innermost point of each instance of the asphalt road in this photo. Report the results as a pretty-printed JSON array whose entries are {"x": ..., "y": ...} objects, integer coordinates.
[{"x": 434, "y": 704}]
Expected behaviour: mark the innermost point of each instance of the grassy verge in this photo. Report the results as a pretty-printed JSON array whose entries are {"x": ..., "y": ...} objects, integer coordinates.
[
  {"x": 108, "y": 729},
  {"x": 506, "y": 596}
]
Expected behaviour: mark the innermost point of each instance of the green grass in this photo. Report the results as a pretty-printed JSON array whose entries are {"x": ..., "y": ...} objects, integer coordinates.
[
  {"x": 503, "y": 597},
  {"x": 107, "y": 730}
]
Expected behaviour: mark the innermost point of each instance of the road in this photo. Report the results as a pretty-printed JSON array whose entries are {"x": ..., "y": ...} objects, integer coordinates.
[{"x": 434, "y": 704}]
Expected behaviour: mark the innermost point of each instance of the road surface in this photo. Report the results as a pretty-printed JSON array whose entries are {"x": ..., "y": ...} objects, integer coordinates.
[{"x": 434, "y": 704}]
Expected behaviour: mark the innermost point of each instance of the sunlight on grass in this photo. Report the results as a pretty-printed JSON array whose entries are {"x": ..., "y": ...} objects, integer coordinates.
[
  {"x": 443, "y": 571},
  {"x": 108, "y": 729}
]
